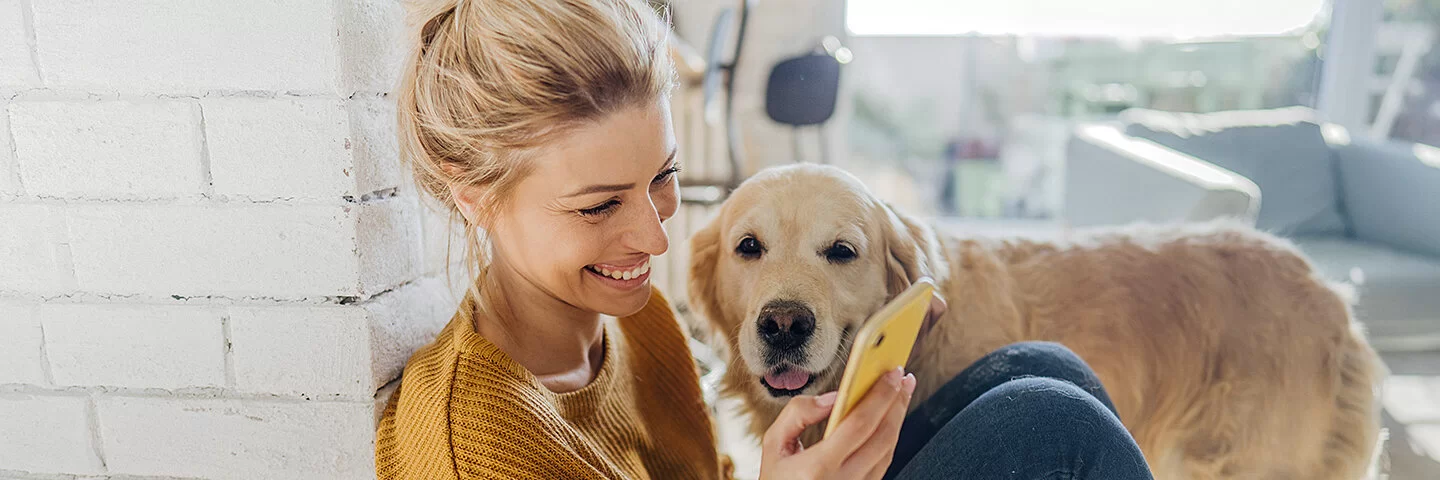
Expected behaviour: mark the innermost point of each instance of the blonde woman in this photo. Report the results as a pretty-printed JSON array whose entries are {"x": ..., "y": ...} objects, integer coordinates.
[{"x": 545, "y": 124}]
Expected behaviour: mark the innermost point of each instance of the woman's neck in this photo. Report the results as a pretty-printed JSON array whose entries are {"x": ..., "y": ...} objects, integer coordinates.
[{"x": 560, "y": 344}]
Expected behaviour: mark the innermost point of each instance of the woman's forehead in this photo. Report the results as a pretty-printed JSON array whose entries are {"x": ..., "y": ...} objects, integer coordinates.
[{"x": 619, "y": 147}]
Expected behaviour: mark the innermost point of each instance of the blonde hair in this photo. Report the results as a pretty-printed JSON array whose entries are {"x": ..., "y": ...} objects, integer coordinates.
[{"x": 490, "y": 81}]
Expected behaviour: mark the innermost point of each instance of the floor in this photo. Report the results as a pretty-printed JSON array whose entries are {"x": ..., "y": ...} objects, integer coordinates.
[{"x": 1412, "y": 415}]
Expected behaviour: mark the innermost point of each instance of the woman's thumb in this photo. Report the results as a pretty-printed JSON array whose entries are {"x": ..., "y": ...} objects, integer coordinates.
[{"x": 800, "y": 412}]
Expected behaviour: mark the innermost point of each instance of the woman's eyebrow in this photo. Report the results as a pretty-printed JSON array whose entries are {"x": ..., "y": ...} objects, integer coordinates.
[{"x": 617, "y": 187}]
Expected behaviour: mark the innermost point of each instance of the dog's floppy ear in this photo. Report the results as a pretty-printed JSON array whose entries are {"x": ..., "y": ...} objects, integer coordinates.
[
  {"x": 912, "y": 251},
  {"x": 705, "y": 251}
]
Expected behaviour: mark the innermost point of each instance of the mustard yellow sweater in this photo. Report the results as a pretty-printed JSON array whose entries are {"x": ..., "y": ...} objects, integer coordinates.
[{"x": 465, "y": 410}]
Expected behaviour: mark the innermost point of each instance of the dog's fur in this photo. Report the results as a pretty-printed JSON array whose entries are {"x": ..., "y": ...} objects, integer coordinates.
[{"x": 1225, "y": 352}]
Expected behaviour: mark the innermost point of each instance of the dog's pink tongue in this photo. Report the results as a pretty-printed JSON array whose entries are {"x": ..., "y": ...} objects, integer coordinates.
[{"x": 787, "y": 380}]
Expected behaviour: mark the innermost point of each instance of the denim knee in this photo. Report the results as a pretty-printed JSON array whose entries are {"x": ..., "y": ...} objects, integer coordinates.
[
  {"x": 1034, "y": 353},
  {"x": 1044, "y": 400},
  {"x": 1030, "y": 428},
  {"x": 1041, "y": 359}
]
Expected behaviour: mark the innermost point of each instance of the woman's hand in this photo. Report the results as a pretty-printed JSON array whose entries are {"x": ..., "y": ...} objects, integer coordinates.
[{"x": 861, "y": 446}]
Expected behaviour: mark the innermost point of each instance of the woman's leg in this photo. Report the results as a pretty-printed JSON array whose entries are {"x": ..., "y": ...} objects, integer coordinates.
[
  {"x": 1030, "y": 429},
  {"x": 1016, "y": 361}
]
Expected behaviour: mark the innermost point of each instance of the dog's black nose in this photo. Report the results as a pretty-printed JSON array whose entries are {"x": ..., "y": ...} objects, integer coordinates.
[{"x": 786, "y": 324}]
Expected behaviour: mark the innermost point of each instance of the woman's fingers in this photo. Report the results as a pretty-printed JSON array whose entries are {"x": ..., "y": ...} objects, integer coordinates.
[
  {"x": 874, "y": 455},
  {"x": 800, "y": 412},
  {"x": 858, "y": 426}
]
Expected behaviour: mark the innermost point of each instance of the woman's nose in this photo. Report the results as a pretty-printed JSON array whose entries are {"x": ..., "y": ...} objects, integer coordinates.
[{"x": 647, "y": 233}]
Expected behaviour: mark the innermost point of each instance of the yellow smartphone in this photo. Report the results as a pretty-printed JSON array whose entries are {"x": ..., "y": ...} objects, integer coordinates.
[{"x": 882, "y": 344}]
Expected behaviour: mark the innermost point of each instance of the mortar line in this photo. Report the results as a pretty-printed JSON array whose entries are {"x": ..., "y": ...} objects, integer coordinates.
[
  {"x": 207, "y": 182},
  {"x": 13, "y": 153},
  {"x": 44, "y": 352},
  {"x": 229, "y": 350},
  {"x": 27, "y": 17},
  {"x": 92, "y": 420}
]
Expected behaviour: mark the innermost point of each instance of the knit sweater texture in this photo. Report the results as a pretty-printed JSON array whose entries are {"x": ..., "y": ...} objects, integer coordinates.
[{"x": 466, "y": 410}]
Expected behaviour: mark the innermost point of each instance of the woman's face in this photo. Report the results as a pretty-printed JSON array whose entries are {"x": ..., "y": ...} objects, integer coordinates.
[{"x": 583, "y": 225}]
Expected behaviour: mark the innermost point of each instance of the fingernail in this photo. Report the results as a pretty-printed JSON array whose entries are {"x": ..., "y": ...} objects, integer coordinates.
[
  {"x": 893, "y": 377},
  {"x": 825, "y": 400},
  {"x": 908, "y": 385}
]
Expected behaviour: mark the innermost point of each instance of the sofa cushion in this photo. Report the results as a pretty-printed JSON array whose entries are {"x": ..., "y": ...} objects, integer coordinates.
[
  {"x": 1399, "y": 291},
  {"x": 1281, "y": 150},
  {"x": 1391, "y": 193}
]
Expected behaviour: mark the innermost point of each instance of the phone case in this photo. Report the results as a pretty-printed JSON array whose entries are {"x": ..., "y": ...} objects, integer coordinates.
[{"x": 883, "y": 344}]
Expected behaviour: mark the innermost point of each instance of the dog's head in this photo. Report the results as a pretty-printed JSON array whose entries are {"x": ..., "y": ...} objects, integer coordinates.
[{"x": 794, "y": 263}]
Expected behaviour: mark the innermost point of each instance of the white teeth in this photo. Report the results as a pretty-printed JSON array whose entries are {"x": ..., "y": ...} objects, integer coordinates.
[{"x": 625, "y": 275}]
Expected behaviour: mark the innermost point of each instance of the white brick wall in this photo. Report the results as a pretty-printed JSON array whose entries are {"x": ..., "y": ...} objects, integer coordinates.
[
  {"x": 286, "y": 147},
  {"x": 138, "y": 346},
  {"x": 232, "y": 249},
  {"x": 237, "y": 439},
  {"x": 22, "y": 344},
  {"x": 86, "y": 149},
  {"x": 211, "y": 256},
  {"x": 159, "y": 46},
  {"x": 32, "y": 249},
  {"x": 315, "y": 352},
  {"x": 15, "y": 51},
  {"x": 9, "y": 171},
  {"x": 50, "y": 433}
]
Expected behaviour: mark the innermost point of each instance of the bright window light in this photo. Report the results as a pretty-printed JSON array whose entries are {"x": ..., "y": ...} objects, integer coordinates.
[{"x": 1083, "y": 18}]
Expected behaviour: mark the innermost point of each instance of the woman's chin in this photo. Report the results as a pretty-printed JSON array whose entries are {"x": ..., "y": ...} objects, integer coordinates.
[{"x": 621, "y": 305}]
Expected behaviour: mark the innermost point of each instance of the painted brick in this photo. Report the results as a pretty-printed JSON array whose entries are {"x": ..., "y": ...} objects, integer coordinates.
[
  {"x": 372, "y": 42},
  {"x": 9, "y": 170},
  {"x": 107, "y": 149},
  {"x": 311, "y": 351},
  {"x": 296, "y": 147},
  {"x": 15, "y": 52},
  {"x": 377, "y": 152},
  {"x": 137, "y": 346},
  {"x": 153, "y": 46},
  {"x": 32, "y": 249},
  {"x": 389, "y": 245},
  {"x": 237, "y": 439},
  {"x": 275, "y": 250},
  {"x": 405, "y": 319},
  {"x": 46, "y": 434},
  {"x": 21, "y": 359}
]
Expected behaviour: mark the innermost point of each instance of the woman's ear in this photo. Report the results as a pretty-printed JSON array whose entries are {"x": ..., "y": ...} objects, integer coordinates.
[{"x": 468, "y": 198}]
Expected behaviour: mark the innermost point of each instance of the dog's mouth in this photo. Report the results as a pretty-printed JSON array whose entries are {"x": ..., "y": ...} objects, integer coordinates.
[{"x": 786, "y": 381}]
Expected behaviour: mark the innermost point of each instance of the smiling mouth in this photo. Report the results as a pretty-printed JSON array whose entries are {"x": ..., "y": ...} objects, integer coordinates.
[{"x": 787, "y": 381}]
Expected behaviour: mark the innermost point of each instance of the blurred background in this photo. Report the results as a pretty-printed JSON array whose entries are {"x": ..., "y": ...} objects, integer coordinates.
[
  {"x": 1316, "y": 120},
  {"x": 213, "y": 263}
]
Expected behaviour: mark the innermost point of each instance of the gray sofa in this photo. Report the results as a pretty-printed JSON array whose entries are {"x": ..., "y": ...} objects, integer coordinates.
[{"x": 1366, "y": 211}]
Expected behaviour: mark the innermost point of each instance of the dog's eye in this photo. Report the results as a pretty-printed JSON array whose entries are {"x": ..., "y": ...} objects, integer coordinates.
[
  {"x": 749, "y": 247},
  {"x": 839, "y": 253}
]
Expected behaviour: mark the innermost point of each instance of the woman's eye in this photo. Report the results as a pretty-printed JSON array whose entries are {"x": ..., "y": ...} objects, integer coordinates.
[
  {"x": 600, "y": 209},
  {"x": 666, "y": 175},
  {"x": 839, "y": 253},
  {"x": 749, "y": 247}
]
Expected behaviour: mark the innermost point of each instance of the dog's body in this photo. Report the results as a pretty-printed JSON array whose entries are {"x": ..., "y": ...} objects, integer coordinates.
[{"x": 1225, "y": 353}]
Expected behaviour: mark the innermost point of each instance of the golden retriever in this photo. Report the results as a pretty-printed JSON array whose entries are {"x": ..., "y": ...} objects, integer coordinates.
[{"x": 1225, "y": 352}]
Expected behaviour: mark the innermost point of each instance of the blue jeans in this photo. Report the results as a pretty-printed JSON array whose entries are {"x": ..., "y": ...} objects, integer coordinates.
[{"x": 1030, "y": 410}]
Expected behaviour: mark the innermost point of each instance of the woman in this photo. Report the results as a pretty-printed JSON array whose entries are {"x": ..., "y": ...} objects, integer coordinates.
[{"x": 545, "y": 124}]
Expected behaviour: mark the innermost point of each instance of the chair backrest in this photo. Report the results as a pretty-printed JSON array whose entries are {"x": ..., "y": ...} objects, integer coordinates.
[{"x": 1282, "y": 150}]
